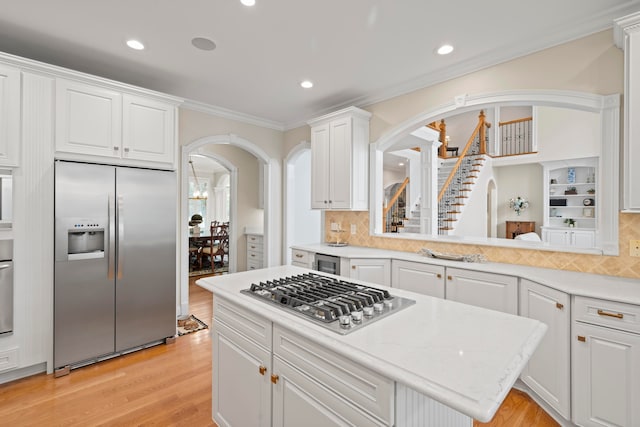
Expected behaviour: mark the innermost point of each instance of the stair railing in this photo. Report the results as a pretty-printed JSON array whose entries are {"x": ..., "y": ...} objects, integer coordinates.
[
  {"x": 479, "y": 131},
  {"x": 392, "y": 204},
  {"x": 516, "y": 137}
]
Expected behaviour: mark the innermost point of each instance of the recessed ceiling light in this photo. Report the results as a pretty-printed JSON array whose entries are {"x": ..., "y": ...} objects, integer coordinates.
[
  {"x": 445, "y": 49},
  {"x": 203, "y": 43},
  {"x": 400, "y": 164},
  {"x": 307, "y": 84},
  {"x": 248, "y": 2},
  {"x": 135, "y": 44}
]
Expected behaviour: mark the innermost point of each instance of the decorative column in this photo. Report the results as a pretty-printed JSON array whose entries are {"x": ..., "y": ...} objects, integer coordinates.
[{"x": 429, "y": 181}]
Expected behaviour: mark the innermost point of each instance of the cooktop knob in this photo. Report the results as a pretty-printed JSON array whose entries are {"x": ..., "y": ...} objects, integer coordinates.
[
  {"x": 356, "y": 316},
  {"x": 388, "y": 304},
  {"x": 378, "y": 307},
  {"x": 368, "y": 311},
  {"x": 345, "y": 321}
]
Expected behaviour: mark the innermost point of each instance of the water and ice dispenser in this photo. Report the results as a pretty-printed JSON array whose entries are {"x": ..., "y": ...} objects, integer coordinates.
[{"x": 85, "y": 240}]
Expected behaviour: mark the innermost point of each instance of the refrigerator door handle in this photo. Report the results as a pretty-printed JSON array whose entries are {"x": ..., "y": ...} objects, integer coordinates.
[
  {"x": 120, "y": 203},
  {"x": 112, "y": 235}
]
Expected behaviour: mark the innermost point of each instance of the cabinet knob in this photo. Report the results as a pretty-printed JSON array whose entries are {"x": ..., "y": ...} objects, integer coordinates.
[
  {"x": 353, "y": 267},
  {"x": 274, "y": 378},
  {"x": 439, "y": 276},
  {"x": 126, "y": 149},
  {"x": 330, "y": 201},
  {"x": 299, "y": 255},
  {"x": 262, "y": 369},
  {"x": 116, "y": 148},
  {"x": 559, "y": 306},
  {"x": 325, "y": 202},
  {"x": 449, "y": 278},
  {"x": 581, "y": 338}
]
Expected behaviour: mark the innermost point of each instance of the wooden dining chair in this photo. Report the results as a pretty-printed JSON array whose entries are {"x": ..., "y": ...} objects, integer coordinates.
[{"x": 217, "y": 247}]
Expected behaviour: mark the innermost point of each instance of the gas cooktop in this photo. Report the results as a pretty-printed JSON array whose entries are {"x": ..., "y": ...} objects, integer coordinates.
[{"x": 336, "y": 304}]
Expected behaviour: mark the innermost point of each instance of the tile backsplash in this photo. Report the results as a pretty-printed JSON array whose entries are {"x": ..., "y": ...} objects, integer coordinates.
[{"x": 622, "y": 265}]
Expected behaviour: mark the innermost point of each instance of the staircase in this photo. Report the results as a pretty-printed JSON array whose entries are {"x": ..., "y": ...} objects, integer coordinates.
[{"x": 456, "y": 195}]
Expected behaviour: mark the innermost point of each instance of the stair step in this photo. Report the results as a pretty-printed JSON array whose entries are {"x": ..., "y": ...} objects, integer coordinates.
[
  {"x": 468, "y": 183},
  {"x": 477, "y": 164},
  {"x": 472, "y": 176},
  {"x": 465, "y": 189},
  {"x": 446, "y": 229},
  {"x": 453, "y": 212},
  {"x": 449, "y": 220},
  {"x": 474, "y": 170},
  {"x": 457, "y": 204},
  {"x": 461, "y": 197}
]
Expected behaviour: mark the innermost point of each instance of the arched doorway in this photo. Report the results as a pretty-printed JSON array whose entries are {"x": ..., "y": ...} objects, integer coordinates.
[
  {"x": 271, "y": 220},
  {"x": 301, "y": 223}
]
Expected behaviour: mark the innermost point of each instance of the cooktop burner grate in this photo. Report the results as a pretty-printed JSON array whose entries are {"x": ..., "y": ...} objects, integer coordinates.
[{"x": 337, "y": 304}]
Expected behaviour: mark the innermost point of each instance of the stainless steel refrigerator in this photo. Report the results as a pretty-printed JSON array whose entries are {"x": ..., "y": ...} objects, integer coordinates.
[{"x": 115, "y": 257}]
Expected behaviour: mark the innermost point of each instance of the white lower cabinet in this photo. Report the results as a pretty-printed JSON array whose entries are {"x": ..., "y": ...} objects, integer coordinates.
[
  {"x": 302, "y": 258},
  {"x": 487, "y": 290},
  {"x": 376, "y": 271},
  {"x": 548, "y": 370},
  {"x": 569, "y": 237},
  {"x": 255, "y": 257},
  {"x": 241, "y": 384},
  {"x": 605, "y": 363},
  {"x": 418, "y": 277},
  {"x": 265, "y": 375}
]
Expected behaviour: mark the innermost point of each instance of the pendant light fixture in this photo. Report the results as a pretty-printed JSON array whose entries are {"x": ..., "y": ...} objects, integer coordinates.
[{"x": 196, "y": 193}]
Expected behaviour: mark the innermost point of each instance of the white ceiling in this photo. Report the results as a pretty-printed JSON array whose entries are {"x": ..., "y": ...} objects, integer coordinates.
[{"x": 356, "y": 51}]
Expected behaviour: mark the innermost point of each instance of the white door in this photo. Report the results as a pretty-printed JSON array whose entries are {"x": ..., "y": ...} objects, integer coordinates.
[
  {"x": 376, "y": 271},
  {"x": 320, "y": 167},
  {"x": 556, "y": 237},
  {"x": 417, "y": 277},
  {"x": 583, "y": 239},
  {"x": 606, "y": 376},
  {"x": 242, "y": 390},
  {"x": 548, "y": 370},
  {"x": 9, "y": 115},
  {"x": 300, "y": 401},
  {"x": 340, "y": 184},
  {"x": 88, "y": 119},
  {"x": 147, "y": 130},
  {"x": 488, "y": 290}
]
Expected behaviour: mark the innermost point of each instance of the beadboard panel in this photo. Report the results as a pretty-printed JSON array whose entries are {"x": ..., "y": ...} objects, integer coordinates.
[
  {"x": 32, "y": 227},
  {"x": 623, "y": 265},
  {"x": 414, "y": 409}
]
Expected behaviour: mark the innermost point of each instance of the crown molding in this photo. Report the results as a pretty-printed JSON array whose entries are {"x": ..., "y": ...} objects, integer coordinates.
[{"x": 232, "y": 115}]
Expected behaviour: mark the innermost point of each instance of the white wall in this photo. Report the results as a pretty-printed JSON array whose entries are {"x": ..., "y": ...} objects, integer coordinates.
[
  {"x": 307, "y": 221},
  {"x": 563, "y": 133},
  {"x": 520, "y": 180}
]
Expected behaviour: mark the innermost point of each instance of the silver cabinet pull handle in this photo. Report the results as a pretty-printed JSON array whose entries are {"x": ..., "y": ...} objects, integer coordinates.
[
  {"x": 120, "y": 203},
  {"x": 2, "y": 267},
  {"x": 111, "y": 247}
]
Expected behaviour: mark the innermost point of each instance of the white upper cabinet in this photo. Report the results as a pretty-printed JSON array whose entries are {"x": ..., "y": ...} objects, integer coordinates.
[
  {"x": 9, "y": 115},
  {"x": 340, "y": 160},
  {"x": 99, "y": 121},
  {"x": 627, "y": 37}
]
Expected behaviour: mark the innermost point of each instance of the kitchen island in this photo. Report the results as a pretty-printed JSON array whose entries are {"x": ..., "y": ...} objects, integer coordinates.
[{"x": 436, "y": 362}]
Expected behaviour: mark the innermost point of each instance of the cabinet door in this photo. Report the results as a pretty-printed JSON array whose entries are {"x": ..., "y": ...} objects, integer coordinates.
[
  {"x": 88, "y": 119},
  {"x": 417, "y": 277},
  {"x": 300, "y": 401},
  {"x": 147, "y": 130},
  {"x": 340, "y": 166},
  {"x": 556, "y": 237},
  {"x": 548, "y": 370},
  {"x": 320, "y": 167},
  {"x": 9, "y": 116},
  {"x": 241, "y": 380},
  {"x": 606, "y": 376},
  {"x": 488, "y": 290},
  {"x": 583, "y": 239},
  {"x": 376, "y": 271}
]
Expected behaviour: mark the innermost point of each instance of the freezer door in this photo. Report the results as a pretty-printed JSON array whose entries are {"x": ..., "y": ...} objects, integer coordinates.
[
  {"x": 6, "y": 297},
  {"x": 146, "y": 256},
  {"x": 84, "y": 288}
]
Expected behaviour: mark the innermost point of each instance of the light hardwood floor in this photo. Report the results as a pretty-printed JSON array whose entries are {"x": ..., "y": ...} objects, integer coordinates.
[{"x": 166, "y": 385}]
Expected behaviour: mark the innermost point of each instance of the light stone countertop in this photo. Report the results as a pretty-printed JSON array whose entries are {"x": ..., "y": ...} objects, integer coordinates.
[
  {"x": 465, "y": 357},
  {"x": 610, "y": 288}
]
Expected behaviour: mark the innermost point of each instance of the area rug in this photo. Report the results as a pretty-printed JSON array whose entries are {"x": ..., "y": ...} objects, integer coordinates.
[
  {"x": 186, "y": 326},
  {"x": 205, "y": 271}
]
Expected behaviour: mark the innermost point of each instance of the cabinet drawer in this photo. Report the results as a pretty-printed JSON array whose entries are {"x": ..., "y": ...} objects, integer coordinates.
[
  {"x": 302, "y": 257},
  {"x": 364, "y": 388},
  {"x": 254, "y": 265},
  {"x": 254, "y": 246},
  {"x": 252, "y": 326},
  {"x": 254, "y": 256},
  {"x": 607, "y": 313},
  {"x": 254, "y": 238}
]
